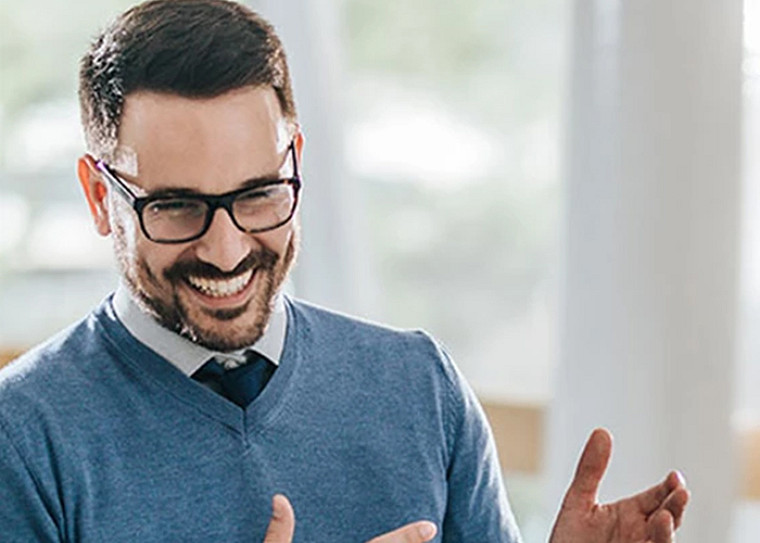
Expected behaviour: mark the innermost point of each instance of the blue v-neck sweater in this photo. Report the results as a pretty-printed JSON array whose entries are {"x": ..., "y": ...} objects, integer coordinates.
[{"x": 364, "y": 428}]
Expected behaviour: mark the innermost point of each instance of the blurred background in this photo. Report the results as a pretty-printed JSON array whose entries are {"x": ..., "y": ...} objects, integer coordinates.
[{"x": 566, "y": 194}]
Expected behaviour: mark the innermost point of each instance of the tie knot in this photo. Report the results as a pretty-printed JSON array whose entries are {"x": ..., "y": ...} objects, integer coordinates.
[{"x": 241, "y": 384}]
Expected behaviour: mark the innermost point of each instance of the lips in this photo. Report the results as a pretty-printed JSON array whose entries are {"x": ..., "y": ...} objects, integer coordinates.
[{"x": 220, "y": 288}]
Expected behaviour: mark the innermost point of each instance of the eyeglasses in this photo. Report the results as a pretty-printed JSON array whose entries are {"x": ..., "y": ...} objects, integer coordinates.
[{"x": 179, "y": 218}]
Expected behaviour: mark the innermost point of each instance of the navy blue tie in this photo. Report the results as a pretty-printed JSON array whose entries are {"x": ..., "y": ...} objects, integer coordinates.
[{"x": 240, "y": 385}]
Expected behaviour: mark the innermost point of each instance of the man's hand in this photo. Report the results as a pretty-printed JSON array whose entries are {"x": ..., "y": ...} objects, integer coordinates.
[
  {"x": 649, "y": 517},
  {"x": 283, "y": 523}
]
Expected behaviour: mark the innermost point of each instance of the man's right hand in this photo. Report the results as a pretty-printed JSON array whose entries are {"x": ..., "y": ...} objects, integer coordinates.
[{"x": 283, "y": 523}]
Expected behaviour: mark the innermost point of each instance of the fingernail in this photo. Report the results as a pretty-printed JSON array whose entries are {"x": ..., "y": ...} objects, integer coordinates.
[
  {"x": 427, "y": 530},
  {"x": 681, "y": 478}
]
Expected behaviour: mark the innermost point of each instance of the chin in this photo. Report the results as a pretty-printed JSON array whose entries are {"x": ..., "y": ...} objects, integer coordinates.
[
  {"x": 221, "y": 339},
  {"x": 227, "y": 329}
]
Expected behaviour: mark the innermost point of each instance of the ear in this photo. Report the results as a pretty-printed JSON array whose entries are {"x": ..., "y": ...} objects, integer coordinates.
[
  {"x": 95, "y": 192},
  {"x": 298, "y": 139}
]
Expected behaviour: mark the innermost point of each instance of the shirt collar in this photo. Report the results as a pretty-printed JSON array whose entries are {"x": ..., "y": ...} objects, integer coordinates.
[{"x": 187, "y": 356}]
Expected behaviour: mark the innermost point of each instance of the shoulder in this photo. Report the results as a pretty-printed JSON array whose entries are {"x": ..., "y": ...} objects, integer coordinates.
[
  {"x": 326, "y": 325},
  {"x": 407, "y": 367},
  {"x": 48, "y": 370},
  {"x": 380, "y": 347}
]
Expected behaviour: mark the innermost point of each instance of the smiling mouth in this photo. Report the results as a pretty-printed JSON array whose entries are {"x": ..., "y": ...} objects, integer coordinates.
[{"x": 221, "y": 288}]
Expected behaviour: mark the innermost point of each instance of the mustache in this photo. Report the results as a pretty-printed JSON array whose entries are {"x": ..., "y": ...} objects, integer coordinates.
[{"x": 263, "y": 259}]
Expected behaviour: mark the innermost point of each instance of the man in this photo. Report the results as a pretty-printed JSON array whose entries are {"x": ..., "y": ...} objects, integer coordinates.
[{"x": 198, "y": 403}]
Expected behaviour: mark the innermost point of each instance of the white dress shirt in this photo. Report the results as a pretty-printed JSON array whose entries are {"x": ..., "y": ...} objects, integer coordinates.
[{"x": 187, "y": 356}]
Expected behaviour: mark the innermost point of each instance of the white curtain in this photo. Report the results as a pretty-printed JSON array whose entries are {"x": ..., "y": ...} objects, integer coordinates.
[{"x": 651, "y": 249}]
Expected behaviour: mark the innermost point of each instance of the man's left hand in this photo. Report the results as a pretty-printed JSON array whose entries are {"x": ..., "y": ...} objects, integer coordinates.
[{"x": 652, "y": 516}]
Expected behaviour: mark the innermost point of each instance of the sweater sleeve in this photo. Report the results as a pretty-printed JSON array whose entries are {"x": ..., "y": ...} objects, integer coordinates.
[
  {"x": 477, "y": 507},
  {"x": 23, "y": 514}
]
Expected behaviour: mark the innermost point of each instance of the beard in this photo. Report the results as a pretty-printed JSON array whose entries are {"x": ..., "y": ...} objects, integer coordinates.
[{"x": 229, "y": 329}]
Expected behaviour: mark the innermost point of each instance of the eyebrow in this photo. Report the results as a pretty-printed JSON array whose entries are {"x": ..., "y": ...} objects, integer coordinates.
[
  {"x": 178, "y": 192},
  {"x": 253, "y": 182}
]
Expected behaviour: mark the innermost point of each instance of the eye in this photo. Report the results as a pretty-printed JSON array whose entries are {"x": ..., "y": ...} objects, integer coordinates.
[
  {"x": 258, "y": 194},
  {"x": 176, "y": 207}
]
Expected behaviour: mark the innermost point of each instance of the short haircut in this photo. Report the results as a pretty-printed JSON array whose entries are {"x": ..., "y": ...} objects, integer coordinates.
[{"x": 191, "y": 48}]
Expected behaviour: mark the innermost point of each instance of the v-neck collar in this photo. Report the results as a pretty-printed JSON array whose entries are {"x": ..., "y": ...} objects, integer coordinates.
[{"x": 155, "y": 371}]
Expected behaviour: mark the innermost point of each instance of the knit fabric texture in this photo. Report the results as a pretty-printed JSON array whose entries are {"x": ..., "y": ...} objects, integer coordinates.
[{"x": 363, "y": 427}]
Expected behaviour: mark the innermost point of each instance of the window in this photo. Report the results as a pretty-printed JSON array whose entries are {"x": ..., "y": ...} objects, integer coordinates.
[
  {"x": 747, "y": 517},
  {"x": 454, "y": 133},
  {"x": 53, "y": 266}
]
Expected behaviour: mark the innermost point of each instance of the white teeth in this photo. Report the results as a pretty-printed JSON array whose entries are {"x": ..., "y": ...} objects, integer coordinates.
[{"x": 219, "y": 288}]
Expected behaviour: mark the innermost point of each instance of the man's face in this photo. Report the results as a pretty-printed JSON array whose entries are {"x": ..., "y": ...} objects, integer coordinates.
[{"x": 216, "y": 290}]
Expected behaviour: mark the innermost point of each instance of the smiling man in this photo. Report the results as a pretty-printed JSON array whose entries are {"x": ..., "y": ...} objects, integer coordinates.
[
  {"x": 199, "y": 172},
  {"x": 200, "y": 403}
]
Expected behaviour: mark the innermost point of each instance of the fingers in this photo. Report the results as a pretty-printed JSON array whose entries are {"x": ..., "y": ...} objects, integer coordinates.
[
  {"x": 416, "y": 532},
  {"x": 675, "y": 504},
  {"x": 662, "y": 529},
  {"x": 669, "y": 513},
  {"x": 652, "y": 498},
  {"x": 282, "y": 523},
  {"x": 593, "y": 463},
  {"x": 670, "y": 495}
]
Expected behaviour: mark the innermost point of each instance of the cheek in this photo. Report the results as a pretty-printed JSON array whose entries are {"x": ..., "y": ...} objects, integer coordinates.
[
  {"x": 126, "y": 225},
  {"x": 277, "y": 240},
  {"x": 137, "y": 250},
  {"x": 156, "y": 257},
  {"x": 159, "y": 257}
]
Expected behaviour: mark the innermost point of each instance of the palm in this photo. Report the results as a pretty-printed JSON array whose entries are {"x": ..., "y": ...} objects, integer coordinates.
[
  {"x": 648, "y": 517},
  {"x": 620, "y": 522}
]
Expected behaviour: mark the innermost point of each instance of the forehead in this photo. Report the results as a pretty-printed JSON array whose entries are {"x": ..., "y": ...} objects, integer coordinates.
[{"x": 208, "y": 144}]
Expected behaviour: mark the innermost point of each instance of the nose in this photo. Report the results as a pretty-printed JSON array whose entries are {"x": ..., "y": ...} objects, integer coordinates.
[{"x": 223, "y": 245}]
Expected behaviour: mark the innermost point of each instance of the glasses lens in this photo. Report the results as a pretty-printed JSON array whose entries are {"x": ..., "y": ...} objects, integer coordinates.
[
  {"x": 264, "y": 207},
  {"x": 174, "y": 219}
]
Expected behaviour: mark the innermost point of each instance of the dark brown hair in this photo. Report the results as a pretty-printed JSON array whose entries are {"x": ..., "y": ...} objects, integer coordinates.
[{"x": 192, "y": 48}]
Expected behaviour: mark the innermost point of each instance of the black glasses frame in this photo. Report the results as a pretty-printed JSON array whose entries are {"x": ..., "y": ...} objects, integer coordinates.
[{"x": 213, "y": 202}]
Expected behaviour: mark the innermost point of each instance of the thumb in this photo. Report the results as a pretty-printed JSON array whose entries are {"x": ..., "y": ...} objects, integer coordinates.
[
  {"x": 414, "y": 532},
  {"x": 593, "y": 463},
  {"x": 282, "y": 524}
]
